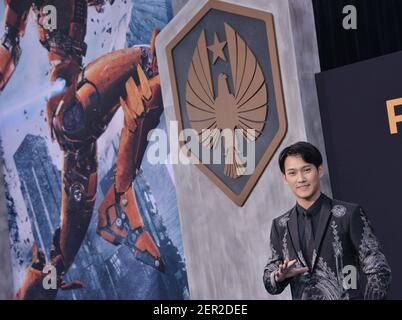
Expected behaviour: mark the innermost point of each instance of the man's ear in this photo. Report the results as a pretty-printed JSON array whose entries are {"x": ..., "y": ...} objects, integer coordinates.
[{"x": 321, "y": 170}]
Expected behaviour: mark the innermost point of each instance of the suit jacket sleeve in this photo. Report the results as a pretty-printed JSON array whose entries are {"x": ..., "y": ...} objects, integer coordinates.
[
  {"x": 371, "y": 258},
  {"x": 274, "y": 261}
]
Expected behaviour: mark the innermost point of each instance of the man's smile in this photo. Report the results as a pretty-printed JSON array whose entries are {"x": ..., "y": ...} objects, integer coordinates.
[{"x": 303, "y": 187}]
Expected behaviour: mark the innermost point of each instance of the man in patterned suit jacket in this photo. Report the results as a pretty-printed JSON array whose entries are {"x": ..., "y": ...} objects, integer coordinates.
[{"x": 321, "y": 246}]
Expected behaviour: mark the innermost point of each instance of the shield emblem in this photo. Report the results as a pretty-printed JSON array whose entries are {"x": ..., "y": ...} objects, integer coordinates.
[{"x": 226, "y": 84}]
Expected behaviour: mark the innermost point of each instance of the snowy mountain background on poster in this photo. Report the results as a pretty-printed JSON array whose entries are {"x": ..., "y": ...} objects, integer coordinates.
[{"x": 22, "y": 113}]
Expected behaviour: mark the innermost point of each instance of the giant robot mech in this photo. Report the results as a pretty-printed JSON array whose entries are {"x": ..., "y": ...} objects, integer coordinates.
[{"x": 77, "y": 117}]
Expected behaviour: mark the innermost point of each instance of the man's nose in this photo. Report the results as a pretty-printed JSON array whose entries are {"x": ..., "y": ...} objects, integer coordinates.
[{"x": 300, "y": 177}]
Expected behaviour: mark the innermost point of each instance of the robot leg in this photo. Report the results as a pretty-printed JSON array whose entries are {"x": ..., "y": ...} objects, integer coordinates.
[
  {"x": 120, "y": 221},
  {"x": 78, "y": 198},
  {"x": 69, "y": 127}
]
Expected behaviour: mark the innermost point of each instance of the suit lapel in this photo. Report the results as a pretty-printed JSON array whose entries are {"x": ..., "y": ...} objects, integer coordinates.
[
  {"x": 325, "y": 215},
  {"x": 293, "y": 230}
]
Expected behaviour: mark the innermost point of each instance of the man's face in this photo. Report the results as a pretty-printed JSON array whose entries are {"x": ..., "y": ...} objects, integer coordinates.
[{"x": 303, "y": 178}]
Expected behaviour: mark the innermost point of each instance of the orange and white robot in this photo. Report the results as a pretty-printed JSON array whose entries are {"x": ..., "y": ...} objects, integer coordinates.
[{"x": 78, "y": 116}]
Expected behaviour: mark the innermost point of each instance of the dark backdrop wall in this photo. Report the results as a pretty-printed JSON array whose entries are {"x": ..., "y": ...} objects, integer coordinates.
[
  {"x": 379, "y": 31},
  {"x": 363, "y": 157}
]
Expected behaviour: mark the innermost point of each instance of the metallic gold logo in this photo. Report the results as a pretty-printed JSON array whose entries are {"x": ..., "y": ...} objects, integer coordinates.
[{"x": 226, "y": 85}]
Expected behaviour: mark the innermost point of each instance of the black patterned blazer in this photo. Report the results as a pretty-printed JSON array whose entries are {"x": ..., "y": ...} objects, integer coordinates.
[{"x": 345, "y": 249}]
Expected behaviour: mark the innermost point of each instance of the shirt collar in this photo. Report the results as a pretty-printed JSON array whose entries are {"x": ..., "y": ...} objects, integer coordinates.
[{"x": 314, "y": 208}]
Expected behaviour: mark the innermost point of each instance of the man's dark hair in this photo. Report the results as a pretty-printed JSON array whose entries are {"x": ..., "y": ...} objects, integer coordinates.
[{"x": 307, "y": 151}]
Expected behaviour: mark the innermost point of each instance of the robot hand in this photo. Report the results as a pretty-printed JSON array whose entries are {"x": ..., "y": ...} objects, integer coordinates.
[{"x": 10, "y": 53}]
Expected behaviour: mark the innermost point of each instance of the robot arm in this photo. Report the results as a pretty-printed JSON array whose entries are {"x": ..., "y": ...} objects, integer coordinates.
[{"x": 16, "y": 15}]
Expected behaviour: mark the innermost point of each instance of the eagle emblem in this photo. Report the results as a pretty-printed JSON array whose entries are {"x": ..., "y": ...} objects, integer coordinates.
[
  {"x": 227, "y": 93},
  {"x": 246, "y": 108}
]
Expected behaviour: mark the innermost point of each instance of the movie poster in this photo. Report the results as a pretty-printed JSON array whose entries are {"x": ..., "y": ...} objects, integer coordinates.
[{"x": 35, "y": 183}]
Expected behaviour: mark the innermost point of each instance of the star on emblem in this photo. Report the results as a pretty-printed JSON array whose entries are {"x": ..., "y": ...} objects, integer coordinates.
[{"x": 217, "y": 49}]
